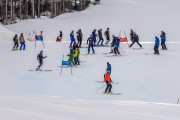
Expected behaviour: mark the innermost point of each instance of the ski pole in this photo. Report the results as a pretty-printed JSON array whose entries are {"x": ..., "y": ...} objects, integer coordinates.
[{"x": 100, "y": 88}]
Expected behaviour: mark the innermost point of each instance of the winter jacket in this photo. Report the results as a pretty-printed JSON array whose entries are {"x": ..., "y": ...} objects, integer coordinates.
[
  {"x": 156, "y": 41},
  {"x": 107, "y": 77},
  {"x": 15, "y": 39},
  {"x": 21, "y": 39},
  {"x": 40, "y": 57},
  {"x": 107, "y": 33},
  {"x": 163, "y": 37},
  {"x": 100, "y": 34},
  {"x": 117, "y": 42},
  {"x": 90, "y": 41},
  {"x": 136, "y": 38},
  {"x": 94, "y": 34},
  {"x": 108, "y": 68},
  {"x": 72, "y": 37},
  {"x": 77, "y": 52}
]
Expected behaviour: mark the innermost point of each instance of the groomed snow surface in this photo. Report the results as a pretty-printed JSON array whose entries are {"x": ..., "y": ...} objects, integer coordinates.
[{"x": 149, "y": 84}]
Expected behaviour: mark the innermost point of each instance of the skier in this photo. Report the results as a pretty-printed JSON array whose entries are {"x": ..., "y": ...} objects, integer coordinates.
[
  {"x": 79, "y": 37},
  {"x": 116, "y": 46},
  {"x": 163, "y": 40},
  {"x": 131, "y": 35},
  {"x": 156, "y": 46},
  {"x": 135, "y": 39},
  {"x": 108, "y": 69},
  {"x": 72, "y": 38},
  {"x": 59, "y": 38},
  {"x": 91, "y": 42},
  {"x": 16, "y": 44},
  {"x": 107, "y": 35},
  {"x": 94, "y": 35},
  {"x": 107, "y": 79},
  {"x": 22, "y": 42},
  {"x": 112, "y": 44},
  {"x": 71, "y": 56},
  {"x": 40, "y": 58},
  {"x": 76, "y": 56},
  {"x": 100, "y": 37}
]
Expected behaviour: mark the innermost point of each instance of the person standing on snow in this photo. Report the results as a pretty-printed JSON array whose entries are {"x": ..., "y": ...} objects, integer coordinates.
[
  {"x": 90, "y": 42},
  {"x": 116, "y": 46},
  {"x": 71, "y": 56},
  {"x": 107, "y": 35},
  {"x": 131, "y": 35},
  {"x": 76, "y": 56},
  {"x": 40, "y": 58},
  {"x": 156, "y": 46},
  {"x": 135, "y": 39},
  {"x": 94, "y": 35},
  {"x": 107, "y": 79},
  {"x": 108, "y": 69},
  {"x": 163, "y": 40},
  {"x": 72, "y": 38},
  {"x": 79, "y": 37},
  {"x": 59, "y": 38},
  {"x": 22, "y": 42},
  {"x": 16, "y": 43},
  {"x": 112, "y": 44},
  {"x": 100, "y": 38}
]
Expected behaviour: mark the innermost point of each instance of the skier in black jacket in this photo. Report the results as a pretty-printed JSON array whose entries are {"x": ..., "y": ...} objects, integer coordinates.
[
  {"x": 16, "y": 43},
  {"x": 107, "y": 35},
  {"x": 100, "y": 38},
  {"x": 40, "y": 58},
  {"x": 135, "y": 39}
]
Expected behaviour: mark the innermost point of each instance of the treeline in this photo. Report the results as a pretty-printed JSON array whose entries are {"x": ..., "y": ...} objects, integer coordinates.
[{"x": 13, "y": 10}]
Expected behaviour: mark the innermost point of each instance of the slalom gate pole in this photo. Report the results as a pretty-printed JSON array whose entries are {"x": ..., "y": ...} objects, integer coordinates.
[
  {"x": 126, "y": 38},
  {"x": 61, "y": 64},
  {"x": 178, "y": 101}
]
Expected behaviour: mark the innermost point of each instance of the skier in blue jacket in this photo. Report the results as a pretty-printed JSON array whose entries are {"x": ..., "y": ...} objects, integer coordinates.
[
  {"x": 116, "y": 46},
  {"x": 94, "y": 35},
  {"x": 108, "y": 69},
  {"x": 156, "y": 46},
  {"x": 163, "y": 40},
  {"x": 90, "y": 42},
  {"x": 40, "y": 58},
  {"x": 72, "y": 38}
]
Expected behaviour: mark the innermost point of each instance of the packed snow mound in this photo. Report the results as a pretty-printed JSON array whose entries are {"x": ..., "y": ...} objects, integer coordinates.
[{"x": 5, "y": 34}]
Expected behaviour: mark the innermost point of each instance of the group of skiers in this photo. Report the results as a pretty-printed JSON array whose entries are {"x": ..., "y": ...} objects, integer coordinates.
[
  {"x": 157, "y": 43},
  {"x": 20, "y": 40}
]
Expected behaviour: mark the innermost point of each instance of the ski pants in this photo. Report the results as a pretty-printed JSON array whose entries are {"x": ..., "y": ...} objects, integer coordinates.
[
  {"x": 72, "y": 42},
  {"x": 22, "y": 45},
  {"x": 79, "y": 42},
  {"x": 163, "y": 44},
  {"x": 100, "y": 40},
  {"x": 136, "y": 42},
  {"x": 40, "y": 63},
  {"x": 109, "y": 87},
  {"x": 156, "y": 51},
  {"x": 16, "y": 45},
  {"x": 107, "y": 40},
  {"x": 116, "y": 50},
  {"x": 76, "y": 60},
  {"x": 92, "y": 47}
]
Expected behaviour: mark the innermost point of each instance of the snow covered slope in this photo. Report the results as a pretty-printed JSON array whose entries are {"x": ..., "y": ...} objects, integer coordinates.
[
  {"x": 142, "y": 76},
  {"x": 5, "y": 34}
]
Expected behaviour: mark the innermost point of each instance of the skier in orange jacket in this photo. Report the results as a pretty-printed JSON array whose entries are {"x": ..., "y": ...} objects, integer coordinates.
[{"x": 107, "y": 79}]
